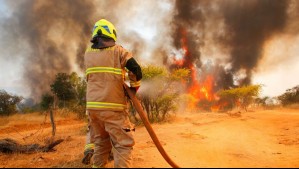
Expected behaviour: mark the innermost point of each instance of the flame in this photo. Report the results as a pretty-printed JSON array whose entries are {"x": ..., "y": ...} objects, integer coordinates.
[
  {"x": 218, "y": 106},
  {"x": 178, "y": 62},
  {"x": 200, "y": 90}
]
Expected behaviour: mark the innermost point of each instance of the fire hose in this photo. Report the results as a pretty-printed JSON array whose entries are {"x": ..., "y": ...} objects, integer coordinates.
[{"x": 148, "y": 126}]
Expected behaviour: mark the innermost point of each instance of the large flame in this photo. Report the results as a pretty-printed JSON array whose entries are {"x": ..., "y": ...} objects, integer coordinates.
[
  {"x": 203, "y": 90},
  {"x": 200, "y": 89}
]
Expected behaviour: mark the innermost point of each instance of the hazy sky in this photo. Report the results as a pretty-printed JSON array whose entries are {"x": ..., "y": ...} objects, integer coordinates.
[
  {"x": 10, "y": 69},
  {"x": 277, "y": 71}
]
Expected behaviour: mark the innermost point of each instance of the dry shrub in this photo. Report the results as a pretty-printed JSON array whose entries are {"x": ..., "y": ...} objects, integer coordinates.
[
  {"x": 64, "y": 113},
  {"x": 17, "y": 119}
]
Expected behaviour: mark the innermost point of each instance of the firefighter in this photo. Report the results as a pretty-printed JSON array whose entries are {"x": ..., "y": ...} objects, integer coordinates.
[{"x": 106, "y": 65}]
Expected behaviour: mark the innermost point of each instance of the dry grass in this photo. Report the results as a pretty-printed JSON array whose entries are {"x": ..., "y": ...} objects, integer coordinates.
[
  {"x": 191, "y": 139},
  {"x": 36, "y": 117},
  {"x": 35, "y": 127},
  {"x": 3, "y": 121},
  {"x": 293, "y": 106}
]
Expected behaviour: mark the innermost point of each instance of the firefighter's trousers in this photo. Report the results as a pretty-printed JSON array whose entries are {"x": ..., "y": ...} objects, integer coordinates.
[
  {"x": 89, "y": 135},
  {"x": 112, "y": 130}
]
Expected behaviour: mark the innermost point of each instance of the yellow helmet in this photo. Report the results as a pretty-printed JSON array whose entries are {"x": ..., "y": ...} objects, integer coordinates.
[{"x": 104, "y": 28}]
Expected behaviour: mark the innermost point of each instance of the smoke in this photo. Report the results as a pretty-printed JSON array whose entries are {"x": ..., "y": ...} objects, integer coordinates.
[
  {"x": 188, "y": 24},
  {"x": 238, "y": 29},
  {"x": 50, "y": 37},
  {"x": 194, "y": 29},
  {"x": 249, "y": 25}
]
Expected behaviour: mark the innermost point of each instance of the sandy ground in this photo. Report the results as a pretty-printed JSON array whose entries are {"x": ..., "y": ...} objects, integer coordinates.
[{"x": 265, "y": 138}]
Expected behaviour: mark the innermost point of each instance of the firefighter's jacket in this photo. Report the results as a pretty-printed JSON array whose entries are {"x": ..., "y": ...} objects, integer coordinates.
[{"x": 105, "y": 72}]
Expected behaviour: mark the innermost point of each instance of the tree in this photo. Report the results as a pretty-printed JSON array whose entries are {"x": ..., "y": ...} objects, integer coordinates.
[
  {"x": 164, "y": 87},
  {"x": 62, "y": 87},
  {"x": 70, "y": 92},
  {"x": 291, "y": 96},
  {"x": 262, "y": 101},
  {"x": 47, "y": 101},
  {"x": 8, "y": 103},
  {"x": 241, "y": 96},
  {"x": 165, "y": 104},
  {"x": 153, "y": 75},
  {"x": 79, "y": 87}
]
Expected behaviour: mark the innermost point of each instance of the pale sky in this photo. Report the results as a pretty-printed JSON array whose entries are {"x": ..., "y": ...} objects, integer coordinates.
[{"x": 279, "y": 69}]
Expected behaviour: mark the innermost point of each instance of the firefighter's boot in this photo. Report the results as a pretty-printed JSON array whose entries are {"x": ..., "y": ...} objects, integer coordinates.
[{"x": 88, "y": 153}]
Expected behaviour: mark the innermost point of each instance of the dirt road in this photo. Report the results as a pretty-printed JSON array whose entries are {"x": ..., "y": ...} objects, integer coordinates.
[{"x": 253, "y": 139}]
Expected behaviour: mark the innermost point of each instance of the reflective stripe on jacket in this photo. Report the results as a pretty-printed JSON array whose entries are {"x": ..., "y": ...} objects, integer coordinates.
[{"x": 105, "y": 69}]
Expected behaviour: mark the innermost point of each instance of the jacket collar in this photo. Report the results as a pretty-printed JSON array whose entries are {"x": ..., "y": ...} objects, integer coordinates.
[{"x": 101, "y": 42}]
